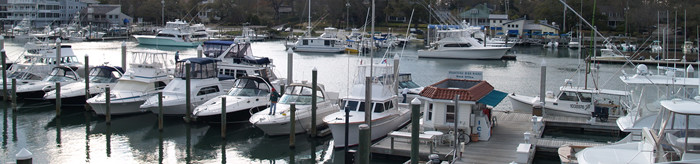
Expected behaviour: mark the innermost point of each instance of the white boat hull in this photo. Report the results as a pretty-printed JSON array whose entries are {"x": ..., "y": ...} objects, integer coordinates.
[
  {"x": 117, "y": 108},
  {"x": 523, "y": 104},
  {"x": 164, "y": 41},
  {"x": 318, "y": 49},
  {"x": 486, "y": 53},
  {"x": 279, "y": 124},
  {"x": 380, "y": 127}
]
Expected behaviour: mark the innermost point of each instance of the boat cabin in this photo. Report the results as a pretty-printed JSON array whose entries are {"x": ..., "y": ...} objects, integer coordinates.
[
  {"x": 440, "y": 112},
  {"x": 300, "y": 93},
  {"x": 105, "y": 74},
  {"x": 214, "y": 48},
  {"x": 201, "y": 68},
  {"x": 250, "y": 86}
]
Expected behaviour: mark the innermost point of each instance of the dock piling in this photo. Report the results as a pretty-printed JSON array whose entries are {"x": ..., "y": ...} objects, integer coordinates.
[
  {"x": 290, "y": 64},
  {"x": 58, "y": 52},
  {"x": 3, "y": 55},
  {"x": 87, "y": 77},
  {"x": 188, "y": 101},
  {"x": 200, "y": 50},
  {"x": 223, "y": 117},
  {"x": 292, "y": 125},
  {"x": 160, "y": 111},
  {"x": 365, "y": 141},
  {"x": 58, "y": 99},
  {"x": 108, "y": 115},
  {"x": 24, "y": 157},
  {"x": 2, "y": 42},
  {"x": 14, "y": 94},
  {"x": 415, "y": 128},
  {"x": 543, "y": 82},
  {"x": 314, "y": 80},
  {"x": 124, "y": 55}
]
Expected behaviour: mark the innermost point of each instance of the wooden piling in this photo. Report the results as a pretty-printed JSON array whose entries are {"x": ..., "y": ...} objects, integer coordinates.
[
  {"x": 160, "y": 111},
  {"x": 58, "y": 98},
  {"x": 223, "y": 117},
  {"x": 123, "y": 55},
  {"x": 108, "y": 115},
  {"x": 87, "y": 77},
  {"x": 4, "y": 74},
  {"x": 415, "y": 128},
  {"x": 188, "y": 101},
  {"x": 200, "y": 50},
  {"x": 292, "y": 124},
  {"x": 365, "y": 141},
  {"x": 314, "y": 81},
  {"x": 14, "y": 94}
]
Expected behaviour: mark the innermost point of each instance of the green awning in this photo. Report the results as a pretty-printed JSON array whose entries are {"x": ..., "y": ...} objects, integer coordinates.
[{"x": 493, "y": 98}]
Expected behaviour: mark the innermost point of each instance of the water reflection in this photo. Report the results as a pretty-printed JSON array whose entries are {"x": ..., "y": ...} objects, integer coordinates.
[
  {"x": 87, "y": 116},
  {"x": 4, "y": 129},
  {"x": 58, "y": 132}
]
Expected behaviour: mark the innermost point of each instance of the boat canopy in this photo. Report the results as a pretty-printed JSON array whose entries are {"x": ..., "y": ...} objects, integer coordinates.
[
  {"x": 681, "y": 106},
  {"x": 595, "y": 91},
  {"x": 216, "y": 47},
  {"x": 201, "y": 68}
]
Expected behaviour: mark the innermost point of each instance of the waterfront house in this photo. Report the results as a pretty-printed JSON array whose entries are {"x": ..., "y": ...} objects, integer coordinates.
[
  {"x": 471, "y": 113},
  {"x": 477, "y": 16},
  {"x": 41, "y": 12},
  {"x": 102, "y": 15}
]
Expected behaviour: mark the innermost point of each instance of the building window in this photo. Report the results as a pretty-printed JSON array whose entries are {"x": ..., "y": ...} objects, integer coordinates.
[
  {"x": 430, "y": 111},
  {"x": 450, "y": 114}
]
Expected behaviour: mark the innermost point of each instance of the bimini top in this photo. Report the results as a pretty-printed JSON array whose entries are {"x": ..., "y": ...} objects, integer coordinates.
[
  {"x": 219, "y": 42},
  {"x": 200, "y": 60},
  {"x": 110, "y": 68},
  {"x": 687, "y": 107}
]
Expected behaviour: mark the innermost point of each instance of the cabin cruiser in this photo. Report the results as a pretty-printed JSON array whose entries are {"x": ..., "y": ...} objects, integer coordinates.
[
  {"x": 175, "y": 33},
  {"x": 458, "y": 44},
  {"x": 147, "y": 74},
  {"x": 386, "y": 114},
  {"x": 205, "y": 84},
  {"x": 36, "y": 90},
  {"x": 576, "y": 102},
  {"x": 36, "y": 65},
  {"x": 249, "y": 95},
  {"x": 299, "y": 94},
  {"x": 327, "y": 42},
  {"x": 100, "y": 77}
]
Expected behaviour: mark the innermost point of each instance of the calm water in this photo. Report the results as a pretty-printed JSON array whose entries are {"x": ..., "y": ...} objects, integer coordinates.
[{"x": 80, "y": 137}]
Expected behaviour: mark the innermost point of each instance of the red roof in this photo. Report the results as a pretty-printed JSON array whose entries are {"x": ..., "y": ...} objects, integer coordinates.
[{"x": 469, "y": 90}]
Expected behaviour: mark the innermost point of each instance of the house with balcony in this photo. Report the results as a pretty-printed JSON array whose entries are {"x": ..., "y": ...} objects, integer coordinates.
[
  {"x": 41, "y": 12},
  {"x": 104, "y": 16},
  {"x": 477, "y": 16}
]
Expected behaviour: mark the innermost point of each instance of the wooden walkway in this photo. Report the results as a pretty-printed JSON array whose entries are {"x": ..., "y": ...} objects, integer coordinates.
[
  {"x": 506, "y": 137},
  {"x": 552, "y": 144}
]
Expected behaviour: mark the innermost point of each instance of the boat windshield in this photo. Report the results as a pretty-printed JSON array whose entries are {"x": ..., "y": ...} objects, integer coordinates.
[
  {"x": 104, "y": 76},
  {"x": 360, "y": 106},
  {"x": 248, "y": 88},
  {"x": 23, "y": 76},
  {"x": 61, "y": 75},
  {"x": 300, "y": 95},
  {"x": 408, "y": 84}
]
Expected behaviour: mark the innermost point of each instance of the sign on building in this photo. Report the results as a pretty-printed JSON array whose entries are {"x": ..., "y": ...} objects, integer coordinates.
[{"x": 467, "y": 75}]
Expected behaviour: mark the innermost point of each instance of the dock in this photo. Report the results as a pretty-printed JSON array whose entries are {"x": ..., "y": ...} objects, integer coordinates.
[
  {"x": 647, "y": 62},
  {"x": 580, "y": 122}
]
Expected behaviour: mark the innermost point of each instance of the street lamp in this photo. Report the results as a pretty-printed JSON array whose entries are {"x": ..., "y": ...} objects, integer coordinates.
[{"x": 162, "y": 12}]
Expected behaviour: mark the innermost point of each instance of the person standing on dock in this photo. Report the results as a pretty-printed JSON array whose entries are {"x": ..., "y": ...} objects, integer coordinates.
[
  {"x": 404, "y": 92},
  {"x": 273, "y": 101}
]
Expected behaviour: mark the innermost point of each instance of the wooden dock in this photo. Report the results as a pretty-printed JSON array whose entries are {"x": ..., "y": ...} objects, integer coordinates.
[
  {"x": 552, "y": 144},
  {"x": 580, "y": 122}
]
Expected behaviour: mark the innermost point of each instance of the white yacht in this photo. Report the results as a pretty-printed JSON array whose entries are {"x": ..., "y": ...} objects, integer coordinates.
[
  {"x": 36, "y": 64},
  {"x": 386, "y": 114},
  {"x": 101, "y": 77},
  {"x": 656, "y": 46},
  {"x": 659, "y": 144},
  {"x": 147, "y": 74},
  {"x": 199, "y": 32},
  {"x": 458, "y": 44},
  {"x": 252, "y": 35},
  {"x": 610, "y": 52},
  {"x": 300, "y": 94},
  {"x": 249, "y": 95},
  {"x": 36, "y": 90},
  {"x": 204, "y": 85},
  {"x": 175, "y": 33},
  {"x": 576, "y": 102},
  {"x": 327, "y": 42}
]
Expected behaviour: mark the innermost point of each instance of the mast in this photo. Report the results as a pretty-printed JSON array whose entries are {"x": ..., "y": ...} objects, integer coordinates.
[
  {"x": 588, "y": 64},
  {"x": 308, "y": 26}
]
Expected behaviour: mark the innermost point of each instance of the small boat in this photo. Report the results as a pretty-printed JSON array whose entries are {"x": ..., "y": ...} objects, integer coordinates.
[
  {"x": 656, "y": 46},
  {"x": 574, "y": 43},
  {"x": 576, "y": 102},
  {"x": 204, "y": 85},
  {"x": 252, "y": 35},
  {"x": 458, "y": 44},
  {"x": 147, "y": 74},
  {"x": 299, "y": 94},
  {"x": 249, "y": 95},
  {"x": 327, "y": 42},
  {"x": 199, "y": 32},
  {"x": 36, "y": 90},
  {"x": 175, "y": 33},
  {"x": 101, "y": 77},
  {"x": 387, "y": 115}
]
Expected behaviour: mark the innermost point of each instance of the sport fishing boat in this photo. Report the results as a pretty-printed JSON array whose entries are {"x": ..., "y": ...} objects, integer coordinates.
[
  {"x": 175, "y": 33},
  {"x": 458, "y": 44}
]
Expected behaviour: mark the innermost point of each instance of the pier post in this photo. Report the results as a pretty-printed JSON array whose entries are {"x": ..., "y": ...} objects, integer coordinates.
[
  {"x": 290, "y": 64},
  {"x": 4, "y": 74},
  {"x": 2, "y": 42},
  {"x": 543, "y": 82},
  {"x": 58, "y": 52},
  {"x": 160, "y": 111},
  {"x": 292, "y": 123},
  {"x": 456, "y": 127},
  {"x": 348, "y": 157},
  {"x": 58, "y": 99},
  {"x": 314, "y": 80},
  {"x": 365, "y": 140},
  {"x": 415, "y": 128},
  {"x": 24, "y": 157},
  {"x": 281, "y": 89},
  {"x": 87, "y": 77},
  {"x": 396, "y": 75},
  {"x": 123, "y": 55},
  {"x": 368, "y": 100},
  {"x": 108, "y": 115},
  {"x": 188, "y": 102},
  {"x": 14, "y": 94},
  {"x": 200, "y": 50},
  {"x": 223, "y": 117}
]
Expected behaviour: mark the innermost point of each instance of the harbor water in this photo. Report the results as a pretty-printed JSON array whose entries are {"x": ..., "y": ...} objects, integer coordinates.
[{"x": 78, "y": 136}]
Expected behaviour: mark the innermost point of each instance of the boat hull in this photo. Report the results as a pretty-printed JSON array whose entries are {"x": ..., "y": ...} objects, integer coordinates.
[
  {"x": 157, "y": 41},
  {"x": 485, "y": 54},
  {"x": 118, "y": 108},
  {"x": 523, "y": 104},
  {"x": 380, "y": 128},
  {"x": 240, "y": 116},
  {"x": 279, "y": 124}
]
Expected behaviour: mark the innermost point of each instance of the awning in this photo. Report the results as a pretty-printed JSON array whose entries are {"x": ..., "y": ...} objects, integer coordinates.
[
  {"x": 493, "y": 98},
  {"x": 513, "y": 32},
  {"x": 499, "y": 33}
]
